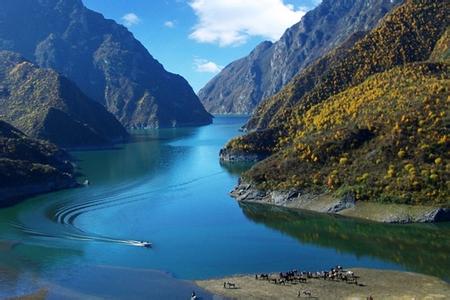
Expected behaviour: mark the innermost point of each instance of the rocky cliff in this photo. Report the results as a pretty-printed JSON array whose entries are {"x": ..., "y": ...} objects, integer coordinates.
[{"x": 243, "y": 84}]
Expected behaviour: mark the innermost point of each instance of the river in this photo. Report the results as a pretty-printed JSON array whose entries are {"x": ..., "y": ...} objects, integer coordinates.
[{"x": 168, "y": 187}]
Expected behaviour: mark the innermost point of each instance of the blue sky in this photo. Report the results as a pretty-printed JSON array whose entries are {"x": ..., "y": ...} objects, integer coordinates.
[{"x": 195, "y": 38}]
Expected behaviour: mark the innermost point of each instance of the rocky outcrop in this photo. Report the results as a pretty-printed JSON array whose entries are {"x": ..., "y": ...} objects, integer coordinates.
[
  {"x": 320, "y": 202},
  {"x": 46, "y": 105},
  {"x": 342, "y": 205},
  {"x": 243, "y": 84},
  {"x": 29, "y": 166},
  {"x": 103, "y": 59},
  {"x": 236, "y": 156},
  {"x": 435, "y": 215}
]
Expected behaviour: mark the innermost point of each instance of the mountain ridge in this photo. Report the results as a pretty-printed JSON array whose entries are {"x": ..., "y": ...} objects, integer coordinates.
[
  {"x": 243, "y": 84},
  {"x": 46, "y": 105},
  {"x": 375, "y": 125},
  {"x": 103, "y": 58},
  {"x": 377, "y": 51}
]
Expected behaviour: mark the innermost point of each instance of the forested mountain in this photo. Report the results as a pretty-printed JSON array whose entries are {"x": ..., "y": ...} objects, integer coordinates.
[
  {"x": 46, "y": 105},
  {"x": 243, "y": 84},
  {"x": 401, "y": 38},
  {"x": 103, "y": 58},
  {"x": 373, "y": 123}
]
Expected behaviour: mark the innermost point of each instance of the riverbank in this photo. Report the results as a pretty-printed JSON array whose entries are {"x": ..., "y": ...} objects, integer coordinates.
[
  {"x": 345, "y": 205},
  {"x": 376, "y": 283}
]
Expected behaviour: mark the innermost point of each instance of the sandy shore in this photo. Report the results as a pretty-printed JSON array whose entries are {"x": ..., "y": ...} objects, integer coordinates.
[{"x": 376, "y": 283}]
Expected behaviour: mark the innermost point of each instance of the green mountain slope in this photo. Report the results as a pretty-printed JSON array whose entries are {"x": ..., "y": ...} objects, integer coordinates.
[
  {"x": 30, "y": 166},
  {"x": 46, "y": 105}
]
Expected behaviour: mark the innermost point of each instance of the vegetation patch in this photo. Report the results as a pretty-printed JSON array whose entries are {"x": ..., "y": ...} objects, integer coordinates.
[
  {"x": 371, "y": 118},
  {"x": 384, "y": 140}
]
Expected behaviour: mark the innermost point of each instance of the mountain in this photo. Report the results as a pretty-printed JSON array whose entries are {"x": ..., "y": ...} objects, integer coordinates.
[
  {"x": 46, "y": 105},
  {"x": 103, "y": 58},
  {"x": 270, "y": 112},
  {"x": 375, "y": 123},
  {"x": 385, "y": 139},
  {"x": 243, "y": 84},
  {"x": 29, "y": 166},
  {"x": 400, "y": 38}
]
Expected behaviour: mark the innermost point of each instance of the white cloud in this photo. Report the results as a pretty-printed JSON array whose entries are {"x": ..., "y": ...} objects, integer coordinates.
[
  {"x": 131, "y": 19},
  {"x": 232, "y": 22},
  {"x": 169, "y": 24},
  {"x": 206, "y": 66}
]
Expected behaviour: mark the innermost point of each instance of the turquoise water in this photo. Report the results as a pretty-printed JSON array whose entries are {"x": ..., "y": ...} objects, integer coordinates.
[{"x": 167, "y": 187}]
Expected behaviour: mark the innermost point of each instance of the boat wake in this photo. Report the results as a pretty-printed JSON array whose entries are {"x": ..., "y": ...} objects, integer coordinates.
[
  {"x": 127, "y": 194},
  {"x": 66, "y": 213},
  {"x": 67, "y": 235}
]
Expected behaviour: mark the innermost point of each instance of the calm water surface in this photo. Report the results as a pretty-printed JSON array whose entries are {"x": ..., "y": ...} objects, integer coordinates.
[{"x": 167, "y": 187}]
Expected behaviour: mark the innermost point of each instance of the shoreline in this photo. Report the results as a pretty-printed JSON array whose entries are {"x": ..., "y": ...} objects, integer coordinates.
[
  {"x": 380, "y": 284},
  {"x": 107, "y": 282},
  {"x": 344, "y": 206}
]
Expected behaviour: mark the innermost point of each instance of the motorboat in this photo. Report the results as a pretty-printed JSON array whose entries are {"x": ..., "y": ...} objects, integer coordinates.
[{"x": 146, "y": 244}]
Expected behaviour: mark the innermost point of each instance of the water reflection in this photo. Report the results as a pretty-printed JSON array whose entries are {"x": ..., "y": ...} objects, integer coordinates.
[{"x": 419, "y": 248}]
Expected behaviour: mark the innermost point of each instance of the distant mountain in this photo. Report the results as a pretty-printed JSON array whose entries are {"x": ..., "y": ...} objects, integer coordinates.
[
  {"x": 373, "y": 125},
  {"x": 103, "y": 58},
  {"x": 272, "y": 112},
  {"x": 46, "y": 105},
  {"x": 243, "y": 84},
  {"x": 29, "y": 166}
]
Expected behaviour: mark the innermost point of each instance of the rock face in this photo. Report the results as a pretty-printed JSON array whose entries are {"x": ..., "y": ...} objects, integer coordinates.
[
  {"x": 29, "y": 167},
  {"x": 243, "y": 84},
  {"x": 103, "y": 58},
  {"x": 319, "y": 202},
  {"x": 340, "y": 205},
  {"x": 46, "y": 105}
]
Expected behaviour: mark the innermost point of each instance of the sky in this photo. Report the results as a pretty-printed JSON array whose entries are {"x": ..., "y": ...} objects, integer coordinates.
[{"x": 197, "y": 38}]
